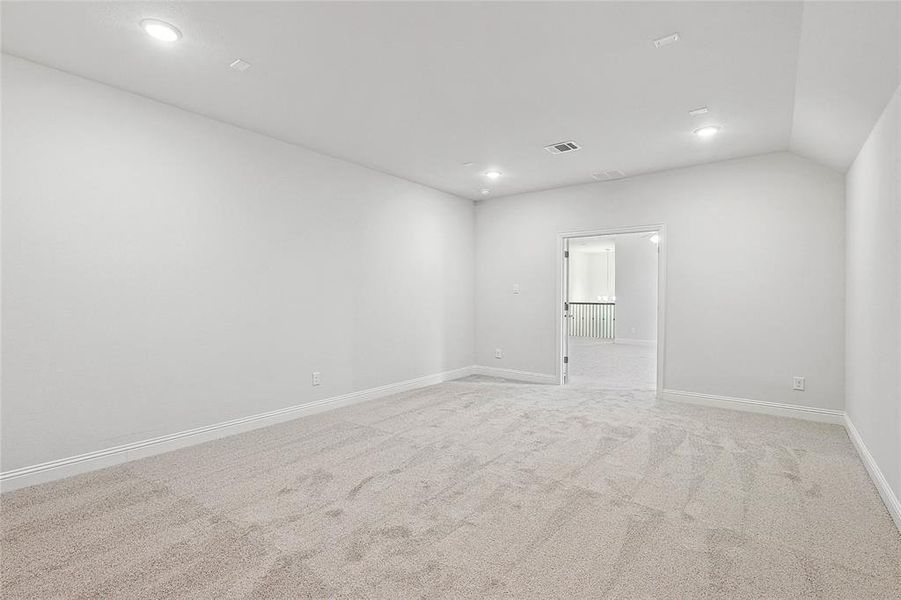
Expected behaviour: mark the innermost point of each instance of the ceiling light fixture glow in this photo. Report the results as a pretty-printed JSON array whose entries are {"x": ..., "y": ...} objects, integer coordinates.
[
  {"x": 484, "y": 191},
  {"x": 493, "y": 175},
  {"x": 160, "y": 30},
  {"x": 708, "y": 131}
]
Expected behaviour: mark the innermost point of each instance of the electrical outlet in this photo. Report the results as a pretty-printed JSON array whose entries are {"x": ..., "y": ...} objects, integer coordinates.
[
  {"x": 798, "y": 384},
  {"x": 515, "y": 288},
  {"x": 498, "y": 353},
  {"x": 316, "y": 378}
]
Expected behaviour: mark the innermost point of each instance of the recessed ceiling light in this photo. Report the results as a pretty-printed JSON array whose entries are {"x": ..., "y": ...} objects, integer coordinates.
[
  {"x": 484, "y": 191},
  {"x": 697, "y": 112},
  {"x": 666, "y": 40},
  {"x": 160, "y": 30},
  {"x": 709, "y": 131},
  {"x": 493, "y": 174}
]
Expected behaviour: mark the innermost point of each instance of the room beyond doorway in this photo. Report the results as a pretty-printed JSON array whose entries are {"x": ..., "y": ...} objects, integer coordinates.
[
  {"x": 610, "y": 326},
  {"x": 611, "y": 365}
]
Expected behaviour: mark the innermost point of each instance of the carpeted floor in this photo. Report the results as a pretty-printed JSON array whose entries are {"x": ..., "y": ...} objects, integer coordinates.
[
  {"x": 473, "y": 488},
  {"x": 611, "y": 365}
]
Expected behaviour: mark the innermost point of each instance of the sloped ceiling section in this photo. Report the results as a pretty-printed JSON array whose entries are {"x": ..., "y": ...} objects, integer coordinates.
[
  {"x": 441, "y": 92},
  {"x": 848, "y": 68},
  {"x": 419, "y": 89}
]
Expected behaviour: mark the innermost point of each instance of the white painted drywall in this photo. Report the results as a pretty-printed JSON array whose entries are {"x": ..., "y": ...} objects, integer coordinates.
[
  {"x": 873, "y": 326},
  {"x": 755, "y": 277},
  {"x": 636, "y": 284},
  {"x": 163, "y": 271},
  {"x": 849, "y": 56},
  {"x": 592, "y": 276}
]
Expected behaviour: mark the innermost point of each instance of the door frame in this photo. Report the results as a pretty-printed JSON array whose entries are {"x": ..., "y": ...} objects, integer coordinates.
[{"x": 559, "y": 316}]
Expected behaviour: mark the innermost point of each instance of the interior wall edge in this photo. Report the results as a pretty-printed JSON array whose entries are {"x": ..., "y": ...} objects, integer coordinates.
[{"x": 872, "y": 360}]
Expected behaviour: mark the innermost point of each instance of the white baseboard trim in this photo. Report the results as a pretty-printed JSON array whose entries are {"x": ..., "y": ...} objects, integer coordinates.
[
  {"x": 99, "y": 459},
  {"x": 527, "y": 376},
  {"x": 821, "y": 415},
  {"x": 808, "y": 413},
  {"x": 92, "y": 461},
  {"x": 885, "y": 490},
  {"x": 632, "y": 342}
]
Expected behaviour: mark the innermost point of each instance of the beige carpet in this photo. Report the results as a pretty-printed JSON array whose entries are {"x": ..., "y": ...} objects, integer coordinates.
[
  {"x": 612, "y": 365},
  {"x": 469, "y": 489}
]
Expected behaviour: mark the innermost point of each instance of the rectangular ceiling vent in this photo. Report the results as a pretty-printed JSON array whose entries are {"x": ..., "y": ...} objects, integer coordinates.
[
  {"x": 562, "y": 147},
  {"x": 609, "y": 175}
]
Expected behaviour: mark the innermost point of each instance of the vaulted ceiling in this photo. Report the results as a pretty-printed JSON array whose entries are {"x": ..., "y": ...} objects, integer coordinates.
[{"x": 440, "y": 92}]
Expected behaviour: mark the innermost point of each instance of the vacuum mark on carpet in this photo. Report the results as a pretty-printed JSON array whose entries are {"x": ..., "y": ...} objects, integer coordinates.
[{"x": 356, "y": 489}]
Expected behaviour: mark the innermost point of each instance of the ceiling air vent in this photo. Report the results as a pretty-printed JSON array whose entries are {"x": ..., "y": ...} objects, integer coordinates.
[
  {"x": 562, "y": 147},
  {"x": 609, "y": 175}
]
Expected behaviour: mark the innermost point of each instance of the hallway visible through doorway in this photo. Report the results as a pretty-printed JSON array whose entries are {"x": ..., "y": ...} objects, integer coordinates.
[
  {"x": 611, "y": 323},
  {"x": 610, "y": 365}
]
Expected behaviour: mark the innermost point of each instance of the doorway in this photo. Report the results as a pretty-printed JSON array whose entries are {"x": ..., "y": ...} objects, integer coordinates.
[{"x": 611, "y": 288}]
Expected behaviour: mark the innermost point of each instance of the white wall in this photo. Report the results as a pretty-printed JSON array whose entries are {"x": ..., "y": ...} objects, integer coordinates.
[
  {"x": 163, "y": 271},
  {"x": 589, "y": 279},
  {"x": 636, "y": 284},
  {"x": 755, "y": 289},
  {"x": 873, "y": 327}
]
